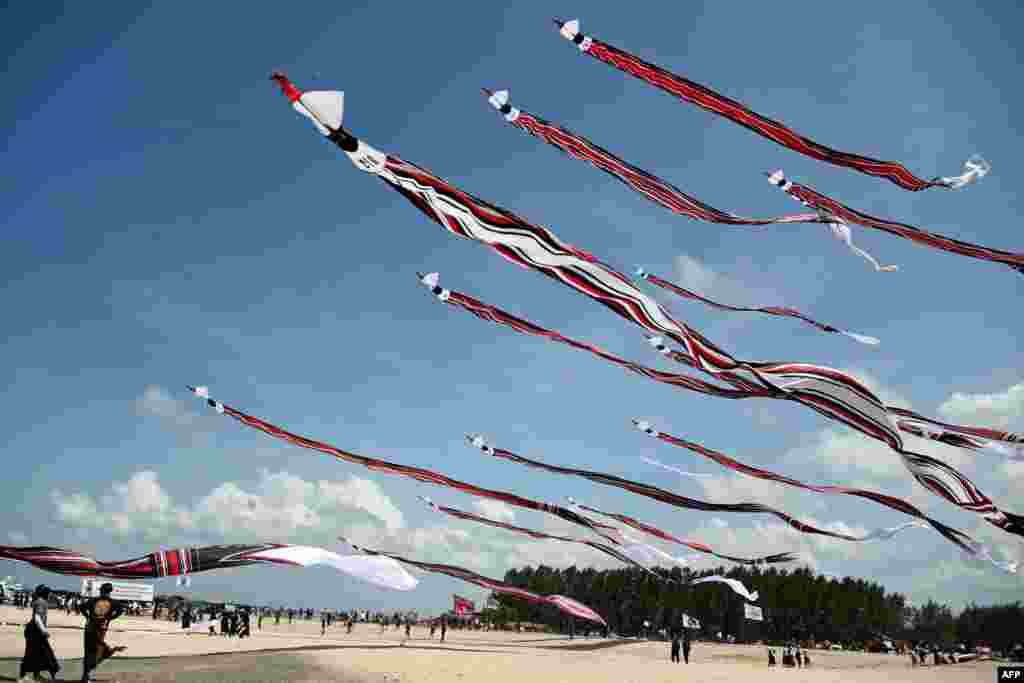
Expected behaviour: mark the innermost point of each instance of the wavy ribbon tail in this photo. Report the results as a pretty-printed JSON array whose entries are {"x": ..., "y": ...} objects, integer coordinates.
[
  {"x": 843, "y": 233},
  {"x": 975, "y": 168}
]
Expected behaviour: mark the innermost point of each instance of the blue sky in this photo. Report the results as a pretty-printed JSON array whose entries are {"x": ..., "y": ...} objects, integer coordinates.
[{"x": 168, "y": 220}]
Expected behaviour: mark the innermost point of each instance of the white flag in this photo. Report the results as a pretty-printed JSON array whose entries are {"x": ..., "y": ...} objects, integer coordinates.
[{"x": 753, "y": 612}]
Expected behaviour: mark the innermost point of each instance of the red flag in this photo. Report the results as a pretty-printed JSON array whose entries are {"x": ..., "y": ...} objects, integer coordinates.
[{"x": 462, "y": 605}]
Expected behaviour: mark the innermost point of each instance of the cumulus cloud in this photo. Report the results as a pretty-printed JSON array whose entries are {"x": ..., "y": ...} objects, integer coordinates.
[
  {"x": 279, "y": 506},
  {"x": 495, "y": 509},
  {"x": 1001, "y": 410}
]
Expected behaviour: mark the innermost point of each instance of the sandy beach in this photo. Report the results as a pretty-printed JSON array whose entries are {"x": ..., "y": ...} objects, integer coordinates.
[{"x": 160, "y": 651}]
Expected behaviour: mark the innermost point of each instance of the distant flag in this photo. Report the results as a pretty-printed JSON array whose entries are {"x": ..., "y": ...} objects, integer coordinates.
[
  {"x": 462, "y": 606},
  {"x": 753, "y": 612}
]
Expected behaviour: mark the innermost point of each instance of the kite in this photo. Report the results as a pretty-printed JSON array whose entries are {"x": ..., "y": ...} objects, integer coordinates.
[
  {"x": 702, "y": 96},
  {"x": 930, "y": 472},
  {"x": 737, "y": 586},
  {"x": 962, "y": 540},
  {"x": 769, "y": 310},
  {"x": 379, "y": 571},
  {"x": 377, "y": 465},
  {"x": 979, "y": 439},
  {"x": 694, "y": 545},
  {"x": 830, "y": 392},
  {"x": 655, "y": 189},
  {"x": 494, "y": 314},
  {"x": 658, "y": 493},
  {"x": 841, "y": 215},
  {"x": 625, "y": 553},
  {"x": 567, "y": 605}
]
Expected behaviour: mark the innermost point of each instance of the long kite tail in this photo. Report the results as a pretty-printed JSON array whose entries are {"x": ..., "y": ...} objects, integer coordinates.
[
  {"x": 378, "y": 465},
  {"x": 835, "y": 394},
  {"x": 655, "y": 189},
  {"x": 981, "y": 439},
  {"x": 961, "y": 539},
  {"x": 496, "y": 315},
  {"x": 692, "y": 544},
  {"x": 768, "y": 310},
  {"x": 779, "y": 133},
  {"x": 621, "y": 551},
  {"x": 567, "y": 605},
  {"x": 845, "y": 215},
  {"x": 933, "y": 474},
  {"x": 662, "y": 495},
  {"x": 183, "y": 561}
]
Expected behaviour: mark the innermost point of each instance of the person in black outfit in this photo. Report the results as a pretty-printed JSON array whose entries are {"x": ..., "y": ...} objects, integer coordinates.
[
  {"x": 675, "y": 645},
  {"x": 39, "y": 655},
  {"x": 686, "y": 646}
]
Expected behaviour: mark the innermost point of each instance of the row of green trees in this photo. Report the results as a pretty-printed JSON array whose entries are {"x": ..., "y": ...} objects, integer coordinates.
[{"x": 796, "y": 604}]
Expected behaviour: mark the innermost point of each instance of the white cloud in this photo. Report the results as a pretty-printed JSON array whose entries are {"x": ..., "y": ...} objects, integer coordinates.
[
  {"x": 174, "y": 413},
  {"x": 495, "y": 509},
  {"x": 17, "y": 538},
  {"x": 280, "y": 506},
  {"x": 1001, "y": 410},
  {"x": 692, "y": 274}
]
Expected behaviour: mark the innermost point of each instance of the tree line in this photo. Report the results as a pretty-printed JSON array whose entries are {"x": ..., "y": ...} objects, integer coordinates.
[{"x": 797, "y": 604}]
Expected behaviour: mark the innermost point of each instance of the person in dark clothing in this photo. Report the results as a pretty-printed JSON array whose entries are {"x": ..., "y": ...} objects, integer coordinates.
[
  {"x": 444, "y": 628},
  {"x": 39, "y": 655},
  {"x": 408, "y": 627},
  {"x": 799, "y": 658},
  {"x": 323, "y": 624},
  {"x": 243, "y": 628},
  {"x": 686, "y": 646},
  {"x": 224, "y": 625},
  {"x": 98, "y": 613},
  {"x": 675, "y": 646},
  {"x": 433, "y": 629},
  {"x": 259, "y": 621},
  {"x": 771, "y": 658}
]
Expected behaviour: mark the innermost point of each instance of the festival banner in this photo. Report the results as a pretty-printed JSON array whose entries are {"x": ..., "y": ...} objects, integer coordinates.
[{"x": 753, "y": 612}]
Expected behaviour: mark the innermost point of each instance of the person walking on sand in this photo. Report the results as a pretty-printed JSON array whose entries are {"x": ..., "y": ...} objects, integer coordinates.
[
  {"x": 444, "y": 628},
  {"x": 98, "y": 613},
  {"x": 686, "y": 646},
  {"x": 39, "y": 655},
  {"x": 674, "y": 656}
]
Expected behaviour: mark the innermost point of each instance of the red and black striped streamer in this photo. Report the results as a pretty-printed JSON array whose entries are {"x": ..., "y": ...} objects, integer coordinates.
[
  {"x": 962, "y": 540},
  {"x": 567, "y": 605},
  {"x": 779, "y": 133},
  {"x": 655, "y": 189},
  {"x": 819, "y": 202}
]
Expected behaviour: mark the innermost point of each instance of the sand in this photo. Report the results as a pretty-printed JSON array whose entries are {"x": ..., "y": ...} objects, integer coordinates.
[{"x": 159, "y": 651}]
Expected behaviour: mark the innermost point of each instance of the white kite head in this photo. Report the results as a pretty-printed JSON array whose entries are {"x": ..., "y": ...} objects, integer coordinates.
[
  {"x": 644, "y": 426},
  {"x": 201, "y": 392},
  {"x": 640, "y": 272},
  {"x": 570, "y": 29},
  {"x": 478, "y": 441},
  {"x": 498, "y": 99}
]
